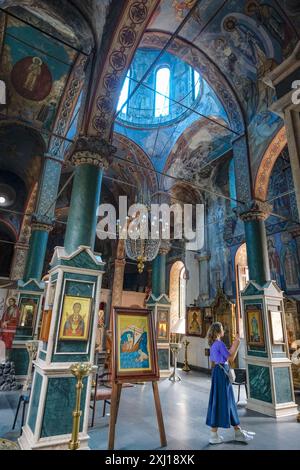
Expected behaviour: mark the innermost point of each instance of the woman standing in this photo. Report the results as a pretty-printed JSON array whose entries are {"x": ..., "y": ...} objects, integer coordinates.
[{"x": 222, "y": 410}]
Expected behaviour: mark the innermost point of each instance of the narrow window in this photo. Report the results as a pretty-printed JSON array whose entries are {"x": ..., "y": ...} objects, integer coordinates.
[
  {"x": 196, "y": 84},
  {"x": 124, "y": 95},
  {"x": 162, "y": 92}
]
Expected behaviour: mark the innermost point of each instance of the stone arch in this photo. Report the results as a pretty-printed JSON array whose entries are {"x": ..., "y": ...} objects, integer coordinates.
[
  {"x": 190, "y": 161},
  {"x": 197, "y": 59},
  {"x": 136, "y": 154},
  {"x": 128, "y": 33},
  {"x": 267, "y": 163}
]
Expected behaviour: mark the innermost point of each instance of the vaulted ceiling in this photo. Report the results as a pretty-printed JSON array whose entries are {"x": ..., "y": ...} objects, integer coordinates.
[{"x": 62, "y": 53}]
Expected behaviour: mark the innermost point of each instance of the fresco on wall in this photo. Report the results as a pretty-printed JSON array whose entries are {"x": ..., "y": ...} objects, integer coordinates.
[
  {"x": 289, "y": 261},
  {"x": 245, "y": 40},
  {"x": 274, "y": 261},
  {"x": 35, "y": 69},
  {"x": 157, "y": 136}
]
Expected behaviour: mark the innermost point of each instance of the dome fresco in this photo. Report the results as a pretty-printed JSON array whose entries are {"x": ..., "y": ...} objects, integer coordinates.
[{"x": 171, "y": 90}]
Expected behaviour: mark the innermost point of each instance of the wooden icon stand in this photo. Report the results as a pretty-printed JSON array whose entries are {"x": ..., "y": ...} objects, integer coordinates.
[{"x": 120, "y": 376}]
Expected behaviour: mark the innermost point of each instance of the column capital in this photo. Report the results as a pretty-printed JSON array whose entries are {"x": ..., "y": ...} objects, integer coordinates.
[
  {"x": 41, "y": 222},
  {"x": 205, "y": 256},
  {"x": 255, "y": 210},
  {"x": 165, "y": 247},
  {"x": 42, "y": 227},
  {"x": 93, "y": 151}
]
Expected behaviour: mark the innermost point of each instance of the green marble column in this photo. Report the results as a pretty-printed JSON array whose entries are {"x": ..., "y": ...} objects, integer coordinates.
[
  {"x": 155, "y": 277},
  {"x": 81, "y": 227},
  {"x": 159, "y": 268},
  {"x": 162, "y": 272},
  {"x": 256, "y": 242},
  {"x": 37, "y": 251},
  {"x": 90, "y": 157}
]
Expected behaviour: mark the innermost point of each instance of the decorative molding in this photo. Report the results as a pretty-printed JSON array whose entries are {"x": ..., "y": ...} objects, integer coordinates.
[
  {"x": 241, "y": 167},
  {"x": 124, "y": 43},
  {"x": 256, "y": 210},
  {"x": 41, "y": 227},
  {"x": 68, "y": 103},
  {"x": 165, "y": 247},
  {"x": 22, "y": 245},
  {"x": 266, "y": 166},
  {"x": 93, "y": 151}
]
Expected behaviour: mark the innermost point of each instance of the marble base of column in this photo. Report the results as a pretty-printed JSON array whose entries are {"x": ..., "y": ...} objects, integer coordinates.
[
  {"x": 74, "y": 281},
  {"x": 269, "y": 372}
]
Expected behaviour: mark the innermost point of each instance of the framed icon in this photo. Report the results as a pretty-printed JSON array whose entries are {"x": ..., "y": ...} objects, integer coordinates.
[
  {"x": 254, "y": 325},
  {"x": 134, "y": 346},
  {"x": 163, "y": 325},
  {"x": 277, "y": 330},
  {"x": 194, "y": 323},
  {"x": 75, "y": 319}
]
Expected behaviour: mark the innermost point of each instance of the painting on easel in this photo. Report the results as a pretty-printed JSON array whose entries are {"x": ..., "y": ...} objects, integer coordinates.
[
  {"x": 134, "y": 359},
  {"x": 134, "y": 344}
]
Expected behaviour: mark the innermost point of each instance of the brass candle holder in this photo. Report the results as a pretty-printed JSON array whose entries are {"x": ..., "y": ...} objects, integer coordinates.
[
  {"x": 186, "y": 367},
  {"x": 32, "y": 349},
  {"x": 175, "y": 346},
  {"x": 79, "y": 370}
]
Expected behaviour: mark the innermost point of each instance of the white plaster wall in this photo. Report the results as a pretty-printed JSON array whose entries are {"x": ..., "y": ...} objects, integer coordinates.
[
  {"x": 196, "y": 352},
  {"x": 192, "y": 285},
  {"x": 196, "y": 348}
]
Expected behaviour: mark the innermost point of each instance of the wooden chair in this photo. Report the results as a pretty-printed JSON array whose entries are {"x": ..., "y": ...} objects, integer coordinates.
[
  {"x": 101, "y": 392},
  {"x": 23, "y": 399},
  {"x": 240, "y": 379}
]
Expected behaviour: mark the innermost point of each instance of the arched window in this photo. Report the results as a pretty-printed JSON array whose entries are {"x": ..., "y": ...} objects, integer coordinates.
[
  {"x": 124, "y": 94},
  {"x": 177, "y": 292},
  {"x": 182, "y": 293},
  {"x": 196, "y": 84},
  {"x": 162, "y": 92}
]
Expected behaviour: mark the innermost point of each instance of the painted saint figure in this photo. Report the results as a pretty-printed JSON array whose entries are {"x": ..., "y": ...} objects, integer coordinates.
[
  {"x": 274, "y": 261},
  {"x": 255, "y": 332},
  {"x": 10, "y": 322},
  {"x": 34, "y": 71},
  {"x": 194, "y": 326},
  {"x": 74, "y": 325}
]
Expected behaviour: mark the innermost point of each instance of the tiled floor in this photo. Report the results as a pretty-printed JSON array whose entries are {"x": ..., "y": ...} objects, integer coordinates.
[{"x": 184, "y": 409}]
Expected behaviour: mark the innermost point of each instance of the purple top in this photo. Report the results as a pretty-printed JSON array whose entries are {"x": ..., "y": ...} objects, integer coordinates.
[{"x": 218, "y": 352}]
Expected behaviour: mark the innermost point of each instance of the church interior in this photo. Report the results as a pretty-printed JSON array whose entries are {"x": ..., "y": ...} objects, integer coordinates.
[{"x": 187, "y": 105}]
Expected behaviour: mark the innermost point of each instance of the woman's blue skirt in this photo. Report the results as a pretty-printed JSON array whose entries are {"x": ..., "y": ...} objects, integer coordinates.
[{"x": 222, "y": 410}]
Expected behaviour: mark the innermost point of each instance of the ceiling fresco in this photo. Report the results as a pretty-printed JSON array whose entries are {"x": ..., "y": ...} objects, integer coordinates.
[
  {"x": 159, "y": 140},
  {"x": 245, "y": 40},
  {"x": 195, "y": 150},
  {"x": 50, "y": 17},
  {"x": 35, "y": 69}
]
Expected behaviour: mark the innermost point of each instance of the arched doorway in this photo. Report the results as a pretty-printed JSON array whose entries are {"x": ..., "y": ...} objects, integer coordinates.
[
  {"x": 242, "y": 277},
  {"x": 177, "y": 292}
]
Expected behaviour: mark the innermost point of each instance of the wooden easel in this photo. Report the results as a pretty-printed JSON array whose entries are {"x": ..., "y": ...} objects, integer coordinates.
[
  {"x": 114, "y": 408},
  {"x": 118, "y": 379}
]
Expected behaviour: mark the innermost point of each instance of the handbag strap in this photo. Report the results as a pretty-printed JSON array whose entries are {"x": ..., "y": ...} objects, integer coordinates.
[{"x": 222, "y": 367}]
